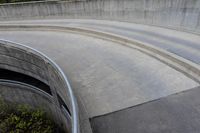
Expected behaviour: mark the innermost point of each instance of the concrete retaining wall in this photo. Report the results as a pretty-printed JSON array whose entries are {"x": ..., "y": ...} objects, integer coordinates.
[
  {"x": 176, "y": 14},
  {"x": 25, "y": 60}
]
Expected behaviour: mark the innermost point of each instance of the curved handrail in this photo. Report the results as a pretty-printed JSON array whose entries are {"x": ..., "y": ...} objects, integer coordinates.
[{"x": 75, "y": 116}]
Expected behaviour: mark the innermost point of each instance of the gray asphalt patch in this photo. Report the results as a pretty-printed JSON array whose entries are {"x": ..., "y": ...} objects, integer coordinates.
[{"x": 178, "y": 113}]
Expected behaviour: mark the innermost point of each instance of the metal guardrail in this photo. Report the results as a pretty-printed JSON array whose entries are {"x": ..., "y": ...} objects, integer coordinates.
[{"x": 66, "y": 84}]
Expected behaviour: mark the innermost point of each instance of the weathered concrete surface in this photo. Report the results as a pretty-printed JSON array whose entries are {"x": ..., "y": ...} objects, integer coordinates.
[
  {"x": 177, "y": 14},
  {"x": 178, "y": 113},
  {"x": 106, "y": 77},
  {"x": 183, "y": 44}
]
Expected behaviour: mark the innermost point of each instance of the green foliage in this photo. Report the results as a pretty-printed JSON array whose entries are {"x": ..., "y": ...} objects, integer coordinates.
[
  {"x": 3, "y": 1},
  {"x": 22, "y": 119}
]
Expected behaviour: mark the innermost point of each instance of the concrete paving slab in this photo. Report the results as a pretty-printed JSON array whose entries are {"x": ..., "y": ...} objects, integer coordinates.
[{"x": 178, "y": 113}]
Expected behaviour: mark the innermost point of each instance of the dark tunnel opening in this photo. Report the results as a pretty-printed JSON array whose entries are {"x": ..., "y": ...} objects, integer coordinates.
[{"x": 19, "y": 77}]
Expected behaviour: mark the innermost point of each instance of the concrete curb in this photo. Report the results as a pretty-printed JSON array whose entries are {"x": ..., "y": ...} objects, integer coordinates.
[{"x": 182, "y": 65}]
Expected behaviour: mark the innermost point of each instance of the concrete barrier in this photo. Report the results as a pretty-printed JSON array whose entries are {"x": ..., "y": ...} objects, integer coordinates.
[
  {"x": 60, "y": 102},
  {"x": 176, "y": 14}
]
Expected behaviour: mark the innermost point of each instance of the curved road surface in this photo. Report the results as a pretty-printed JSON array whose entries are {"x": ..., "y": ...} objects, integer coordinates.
[
  {"x": 182, "y": 44},
  {"x": 121, "y": 89}
]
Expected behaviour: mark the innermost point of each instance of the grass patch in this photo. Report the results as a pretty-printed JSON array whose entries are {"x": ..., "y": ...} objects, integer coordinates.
[{"x": 15, "y": 118}]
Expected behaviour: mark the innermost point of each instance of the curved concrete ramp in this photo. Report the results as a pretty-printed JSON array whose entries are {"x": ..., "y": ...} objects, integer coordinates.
[
  {"x": 106, "y": 76},
  {"x": 127, "y": 77},
  {"x": 182, "y": 44}
]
